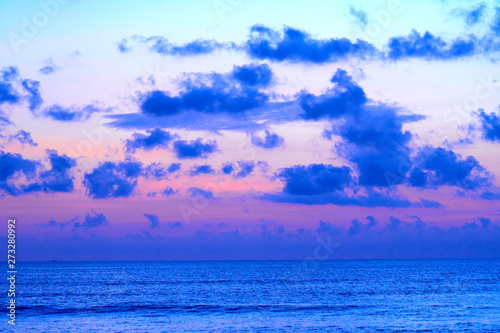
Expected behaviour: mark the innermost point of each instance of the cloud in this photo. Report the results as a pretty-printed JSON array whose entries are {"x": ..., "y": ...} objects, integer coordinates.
[
  {"x": 194, "y": 149},
  {"x": 54, "y": 224},
  {"x": 475, "y": 15},
  {"x": 12, "y": 166},
  {"x": 490, "y": 125},
  {"x": 377, "y": 144},
  {"x": 392, "y": 238},
  {"x": 429, "y": 47},
  {"x": 259, "y": 118},
  {"x": 159, "y": 171},
  {"x": 245, "y": 169},
  {"x": 297, "y": 46},
  {"x": 270, "y": 141},
  {"x": 346, "y": 98},
  {"x": 32, "y": 87},
  {"x": 153, "y": 219},
  {"x": 58, "y": 178},
  {"x": 8, "y": 94},
  {"x": 72, "y": 113},
  {"x": 314, "y": 179},
  {"x": 439, "y": 166},
  {"x": 495, "y": 25},
  {"x": 166, "y": 192},
  {"x": 49, "y": 67},
  {"x": 372, "y": 133},
  {"x": 24, "y": 138},
  {"x": 373, "y": 199},
  {"x": 227, "y": 168},
  {"x": 156, "y": 138},
  {"x": 161, "y": 45},
  {"x": 195, "y": 192},
  {"x": 219, "y": 97},
  {"x": 201, "y": 170},
  {"x": 253, "y": 75},
  {"x": 124, "y": 46},
  {"x": 359, "y": 15},
  {"x": 92, "y": 221},
  {"x": 113, "y": 180}
]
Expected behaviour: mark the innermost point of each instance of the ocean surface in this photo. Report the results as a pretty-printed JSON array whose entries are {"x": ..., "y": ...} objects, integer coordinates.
[{"x": 259, "y": 296}]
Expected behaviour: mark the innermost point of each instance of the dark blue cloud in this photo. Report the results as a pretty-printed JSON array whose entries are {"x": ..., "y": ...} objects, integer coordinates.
[
  {"x": 475, "y": 15},
  {"x": 8, "y": 94},
  {"x": 54, "y": 224},
  {"x": 156, "y": 138},
  {"x": 490, "y": 125},
  {"x": 14, "y": 164},
  {"x": 32, "y": 87},
  {"x": 73, "y": 113},
  {"x": 377, "y": 144},
  {"x": 438, "y": 167},
  {"x": 270, "y": 141},
  {"x": 391, "y": 239},
  {"x": 359, "y": 15},
  {"x": 168, "y": 191},
  {"x": 174, "y": 167},
  {"x": 227, "y": 168},
  {"x": 195, "y": 191},
  {"x": 495, "y": 25},
  {"x": 158, "y": 103},
  {"x": 9, "y": 79},
  {"x": 194, "y": 149},
  {"x": 92, "y": 221},
  {"x": 346, "y": 98},
  {"x": 153, "y": 219},
  {"x": 159, "y": 171},
  {"x": 216, "y": 98},
  {"x": 201, "y": 170},
  {"x": 429, "y": 47},
  {"x": 112, "y": 180},
  {"x": 314, "y": 179},
  {"x": 161, "y": 45},
  {"x": 245, "y": 169},
  {"x": 371, "y": 199},
  {"x": 58, "y": 178},
  {"x": 373, "y": 136},
  {"x": 295, "y": 45},
  {"x": 253, "y": 75},
  {"x": 24, "y": 137}
]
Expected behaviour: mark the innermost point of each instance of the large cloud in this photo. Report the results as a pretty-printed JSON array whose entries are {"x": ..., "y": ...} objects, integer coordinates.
[
  {"x": 438, "y": 166},
  {"x": 57, "y": 179},
  {"x": 71, "y": 113},
  {"x": 194, "y": 149},
  {"x": 490, "y": 125},
  {"x": 314, "y": 179},
  {"x": 296, "y": 45},
  {"x": 112, "y": 180},
  {"x": 156, "y": 138}
]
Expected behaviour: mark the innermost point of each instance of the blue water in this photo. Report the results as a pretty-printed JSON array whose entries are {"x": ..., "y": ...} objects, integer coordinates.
[{"x": 272, "y": 296}]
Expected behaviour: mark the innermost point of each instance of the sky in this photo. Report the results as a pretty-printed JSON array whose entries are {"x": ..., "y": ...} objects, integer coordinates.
[{"x": 249, "y": 130}]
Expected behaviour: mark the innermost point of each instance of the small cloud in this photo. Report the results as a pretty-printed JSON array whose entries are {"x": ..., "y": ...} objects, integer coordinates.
[
  {"x": 153, "y": 219},
  {"x": 195, "y": 191}
]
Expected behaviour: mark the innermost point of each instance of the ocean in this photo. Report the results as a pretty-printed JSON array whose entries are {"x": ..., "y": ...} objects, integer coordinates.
[{"x": 259, "y": 296}]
